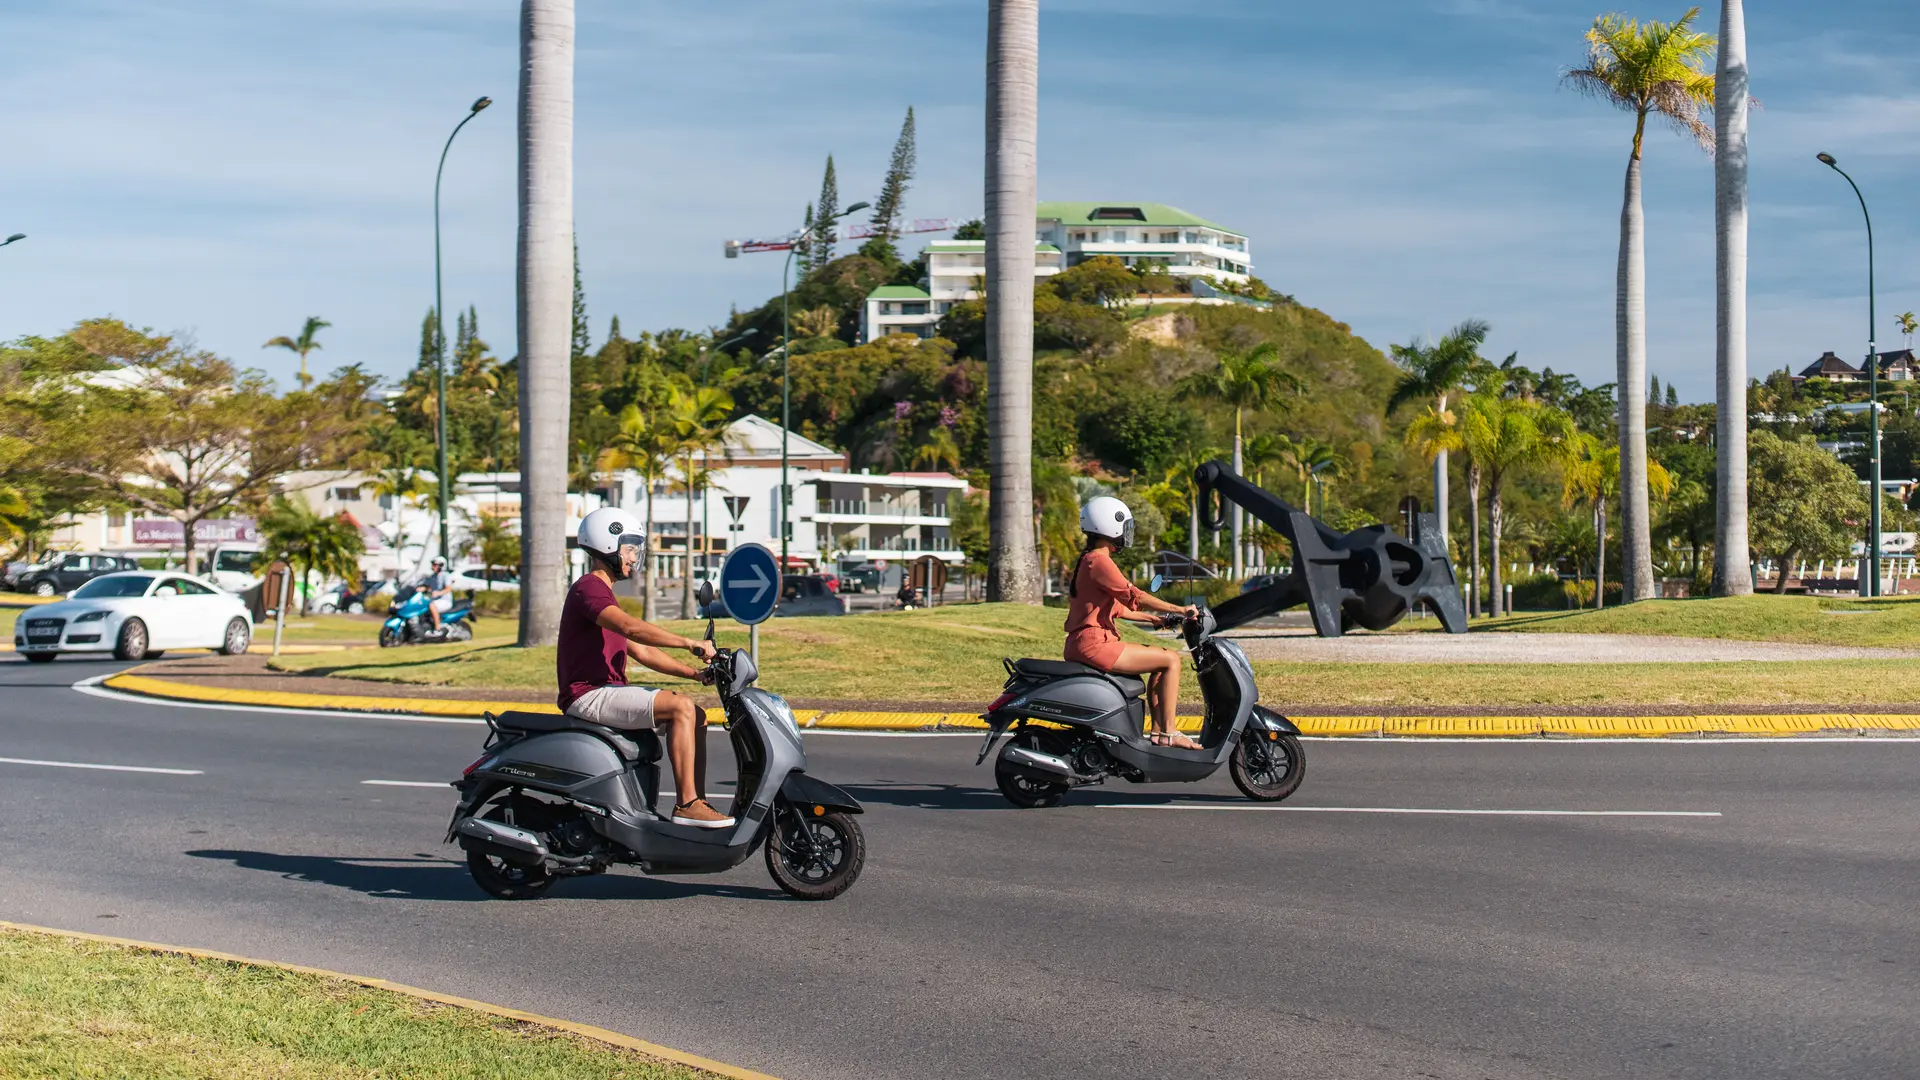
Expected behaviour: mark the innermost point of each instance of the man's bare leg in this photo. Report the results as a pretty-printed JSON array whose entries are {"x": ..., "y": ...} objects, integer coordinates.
[{"x": 676, "y": 713}]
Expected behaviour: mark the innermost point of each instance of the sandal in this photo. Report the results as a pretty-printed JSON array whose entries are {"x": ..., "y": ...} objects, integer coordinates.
[{"x": 1173, "y": 739}]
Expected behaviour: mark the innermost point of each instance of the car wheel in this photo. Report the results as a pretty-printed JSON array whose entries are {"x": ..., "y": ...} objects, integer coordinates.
[
  {"x": 238, "y": 636},
  {"x": 133, "y": 641},
  {"x": 44, "y": 588},
  {"x": 356, "y": 608}
]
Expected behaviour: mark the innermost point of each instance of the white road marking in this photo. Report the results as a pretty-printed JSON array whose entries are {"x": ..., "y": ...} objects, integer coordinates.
[
  {"x": 102, "y": 768},
  {"x": 1411, "y": 810},
  {"x": 408, "y": 783}
]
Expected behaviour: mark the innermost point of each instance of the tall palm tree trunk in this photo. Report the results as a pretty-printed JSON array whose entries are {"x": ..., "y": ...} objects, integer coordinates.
[
  {"x": 646, "y": 558},
  {"x": 1239, "y": 545},
  {"x": 1473, "y": 539},
  {"x": 545, "y": 308},
  {"x": 1440, "y": 481},
  {"x": 1496, "y": 604},
  {"x": 1599, "y": 554},
  {"x": 1013, "y": 111},
  {"x": 686, "y": 571},
  {"x": 1193, "y": 526},
  {"x": 1630, "y": 314},
  {"x": 1732, "y": 565}
]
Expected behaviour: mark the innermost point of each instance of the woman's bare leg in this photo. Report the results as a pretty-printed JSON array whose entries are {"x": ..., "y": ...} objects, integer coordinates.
[{"x": 1163, "y": 665}]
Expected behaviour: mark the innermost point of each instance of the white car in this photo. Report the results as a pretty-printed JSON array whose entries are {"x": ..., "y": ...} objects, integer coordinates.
[
  {"x": 135, "y": 615},
  {"x": 476, "y": 578}
]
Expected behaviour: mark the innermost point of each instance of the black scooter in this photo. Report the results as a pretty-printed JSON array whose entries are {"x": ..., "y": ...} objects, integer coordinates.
[
  {"x": 555, "y": 796},
  {"x": 1075, "y": 725}
]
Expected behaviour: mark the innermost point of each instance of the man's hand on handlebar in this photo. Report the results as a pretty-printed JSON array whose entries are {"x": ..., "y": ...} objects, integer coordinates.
[{"x": 702, "y": 650}]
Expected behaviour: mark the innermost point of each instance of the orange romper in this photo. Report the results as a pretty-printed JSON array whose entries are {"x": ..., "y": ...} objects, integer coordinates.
[{"x": 1100, "y": 591}]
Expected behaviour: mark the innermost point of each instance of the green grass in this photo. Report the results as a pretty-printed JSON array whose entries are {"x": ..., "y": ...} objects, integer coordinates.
[
  {"x": 947, "y": 653},
  {"x": 86, "y": 1009},
  {"x": 1888, "y": 622},
  {"x": 952, "y": 655},
  {"x": 365, "y": 630}
]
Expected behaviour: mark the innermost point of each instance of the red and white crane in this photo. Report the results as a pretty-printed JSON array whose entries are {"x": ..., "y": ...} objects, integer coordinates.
[{"x": 853, "y": 232}]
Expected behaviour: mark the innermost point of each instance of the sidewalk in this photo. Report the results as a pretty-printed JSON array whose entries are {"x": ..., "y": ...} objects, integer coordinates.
[{"x": 244, "y": 680}]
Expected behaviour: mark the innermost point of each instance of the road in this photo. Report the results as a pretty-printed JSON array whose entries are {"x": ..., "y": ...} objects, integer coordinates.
[{"x": 1137, "y": 932}]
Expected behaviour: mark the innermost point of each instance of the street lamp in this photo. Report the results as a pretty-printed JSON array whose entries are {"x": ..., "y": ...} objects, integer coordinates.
[
  {"x": 11, "y": 239},
  {"x": 1870, "y": 587},
  {"x": 706, "y": 361},
  {"x": 786, "y": 352},
  {"x": 706, "y": 461},
  {"x": 440, "y": 337}
]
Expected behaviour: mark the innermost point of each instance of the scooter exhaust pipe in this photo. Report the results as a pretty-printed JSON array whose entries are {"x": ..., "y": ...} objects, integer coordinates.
[
  {"x": 517, "y": 846},
  {"x": 1046, "y": 763}
]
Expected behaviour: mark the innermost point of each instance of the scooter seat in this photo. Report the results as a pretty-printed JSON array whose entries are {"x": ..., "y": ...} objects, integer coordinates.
[
  {"x": 1130, "y": 685},
  {"x": 638, "y": 746}
]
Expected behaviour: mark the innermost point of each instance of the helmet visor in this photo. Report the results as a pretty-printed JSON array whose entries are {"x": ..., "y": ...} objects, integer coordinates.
[{"x": 1126, "y": 534}]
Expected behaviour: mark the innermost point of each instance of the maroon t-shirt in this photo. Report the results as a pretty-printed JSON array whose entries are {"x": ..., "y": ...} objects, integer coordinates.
[{"x": 589, "y": 656}]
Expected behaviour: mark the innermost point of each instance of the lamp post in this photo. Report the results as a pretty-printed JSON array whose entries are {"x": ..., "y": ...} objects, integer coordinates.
[
  {"x": 706, "y": 461},
  {"x": 440, "y": 337},
  {"x": 1870, "y": 586},
  {"x": 11, "y": 239},
  {"x": 786, "y": 354}
]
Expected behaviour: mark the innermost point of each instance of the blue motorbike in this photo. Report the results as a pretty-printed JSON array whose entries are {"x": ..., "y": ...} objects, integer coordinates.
[{"x": 407, "y": 622}]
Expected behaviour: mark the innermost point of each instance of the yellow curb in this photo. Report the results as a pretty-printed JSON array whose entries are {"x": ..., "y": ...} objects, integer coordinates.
[
  {"x": 1463, "y": 727},
  {"x": 598, "y": 1034}
]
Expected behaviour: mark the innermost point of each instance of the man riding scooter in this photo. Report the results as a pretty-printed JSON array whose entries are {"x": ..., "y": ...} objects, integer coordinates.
[
  {"x": 439, "y": 589},
  {"x": 597, "y": 638}
]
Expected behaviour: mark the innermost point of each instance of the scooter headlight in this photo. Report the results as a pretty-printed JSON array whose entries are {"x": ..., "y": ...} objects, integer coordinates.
[{"x": 777, "y": 709}]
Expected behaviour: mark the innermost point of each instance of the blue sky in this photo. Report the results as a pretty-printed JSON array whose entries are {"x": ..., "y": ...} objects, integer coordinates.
[{"x": 228, "y": 169}]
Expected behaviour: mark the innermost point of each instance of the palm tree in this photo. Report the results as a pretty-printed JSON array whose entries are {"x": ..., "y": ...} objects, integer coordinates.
[
  {"x": 1056, "y": 516},
  {"x": 646, "y": 446},
  {"x": 1013, "y": 122},
  {"x": 401, "y": 483},
  {"x": 303, "y": 345},
  {"x": 1500, "y": 436},
  {"x": 1592, "y": 475},
  {"x": 1244, "y": 379},
  {"x": 700, "y": 421},
  {"x": 1435, "y": 372},
  {"x": 544, "y": 305},
  {"x": 1732, "y": 570},
  {"x": 1647, "y": 69},
  {"x": 13, "y": 514},
  {"x": 1180, "y": 477},
  {"x": 1433, "y": 435},
  {"x": 311, "y": 542},
  {"x": 939, "y": 451},
  {"x": 497, "y": 545},
  {"x": 1905, "y": 320}
]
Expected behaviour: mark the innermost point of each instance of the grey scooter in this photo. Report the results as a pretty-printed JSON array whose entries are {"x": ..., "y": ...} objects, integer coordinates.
[
  {"x": 1074, "y": 725},
  {"x": 556, "y": 796}
]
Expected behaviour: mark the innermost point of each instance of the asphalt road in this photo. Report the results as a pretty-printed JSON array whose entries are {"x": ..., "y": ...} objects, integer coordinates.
[{"x": 1134, "y": 933}]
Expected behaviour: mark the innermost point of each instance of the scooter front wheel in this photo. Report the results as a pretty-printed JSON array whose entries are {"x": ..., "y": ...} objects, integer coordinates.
[
  {"x": 1267, "y": 769},
  {"x": 815, "y": 857},
  {"x": 389, "y": 637}
]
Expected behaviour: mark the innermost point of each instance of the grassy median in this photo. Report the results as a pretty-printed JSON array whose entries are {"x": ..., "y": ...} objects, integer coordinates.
[
  {"x": 951, "y": 655},
  {"x": 1888, "y": 622},
  {"x": 86, "y": 1009}
]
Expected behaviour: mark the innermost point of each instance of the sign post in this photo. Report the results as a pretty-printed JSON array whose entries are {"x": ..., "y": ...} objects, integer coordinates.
[{"x": 750, "y": 587}]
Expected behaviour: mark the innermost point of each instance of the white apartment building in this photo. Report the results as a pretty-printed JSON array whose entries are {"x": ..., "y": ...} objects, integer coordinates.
[{"x": 1066, "y": 234}]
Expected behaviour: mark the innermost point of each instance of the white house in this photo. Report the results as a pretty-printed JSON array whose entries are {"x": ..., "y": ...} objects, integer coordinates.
[{"x": 1066, "y": 234}]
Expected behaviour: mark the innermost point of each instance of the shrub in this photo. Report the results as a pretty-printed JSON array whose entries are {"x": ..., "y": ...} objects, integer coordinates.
[
  {"x": 380, "y": 603},
  {"x": 497, "y": 602}
]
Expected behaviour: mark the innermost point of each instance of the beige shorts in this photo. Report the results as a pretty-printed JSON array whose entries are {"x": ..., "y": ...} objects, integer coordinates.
[{"x": 623, "y": 708}]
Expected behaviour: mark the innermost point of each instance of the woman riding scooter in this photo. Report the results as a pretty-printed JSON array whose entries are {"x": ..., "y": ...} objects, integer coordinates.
[{"x": 1099, "y": 594}]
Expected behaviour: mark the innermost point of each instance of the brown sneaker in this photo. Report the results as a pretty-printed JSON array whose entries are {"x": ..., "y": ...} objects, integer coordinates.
[{"x": 700, "y": 814}]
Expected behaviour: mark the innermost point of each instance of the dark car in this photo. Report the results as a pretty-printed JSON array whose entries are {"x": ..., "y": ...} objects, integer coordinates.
[
  {"x": 862, "y": 577},
  {"x": 800, "y": 594},
  {"x": 69, "y": 572},
  {"x": 1259, "y": 581}
]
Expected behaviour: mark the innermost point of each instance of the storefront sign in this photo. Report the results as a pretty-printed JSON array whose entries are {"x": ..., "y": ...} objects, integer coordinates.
[{"x": 170, "y": 533}]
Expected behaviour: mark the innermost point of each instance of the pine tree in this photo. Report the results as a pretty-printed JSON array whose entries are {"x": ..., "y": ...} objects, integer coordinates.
[
  {"x": 893, "y": 190},
  {"x": 582, "y": 343},
  {"x": 429, "y": 351},
  {"x": 1673, "y": 397},
  {"x": 613, "y": 329},
  {"x": 1653, "y": 390},
  {"x": 825, "y": 211},
  {"x": 803, "y": 247}
]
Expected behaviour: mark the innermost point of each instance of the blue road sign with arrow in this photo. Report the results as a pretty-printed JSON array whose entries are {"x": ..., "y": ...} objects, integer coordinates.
[{"x": 750, "y": 583}]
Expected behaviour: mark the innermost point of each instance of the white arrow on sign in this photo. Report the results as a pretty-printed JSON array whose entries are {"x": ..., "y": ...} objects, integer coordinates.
[{"x": 759, "y": 583}]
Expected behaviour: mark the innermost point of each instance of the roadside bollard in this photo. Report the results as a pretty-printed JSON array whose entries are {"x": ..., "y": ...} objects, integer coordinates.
[
  {"x": 280, "y": 621},
  {"x": 1508, "y": 610}
]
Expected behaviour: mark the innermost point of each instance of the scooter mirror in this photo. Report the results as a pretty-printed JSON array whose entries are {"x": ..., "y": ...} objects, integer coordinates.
[
  {"x": 1154, "y": 585},
  {"x": 705, "y": 593}
]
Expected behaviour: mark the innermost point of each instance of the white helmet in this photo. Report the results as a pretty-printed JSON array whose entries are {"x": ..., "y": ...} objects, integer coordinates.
[
  {"x": 607, "y": 529},
  {"x": 1107, "y": 516}
]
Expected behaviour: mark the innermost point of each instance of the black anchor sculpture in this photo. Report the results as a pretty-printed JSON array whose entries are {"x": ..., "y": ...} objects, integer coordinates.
[{"x": 1370, "y": 577}]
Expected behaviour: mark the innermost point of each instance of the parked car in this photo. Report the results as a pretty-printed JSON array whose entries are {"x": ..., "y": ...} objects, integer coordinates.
[
  {"x": 135, "y": 616},
  {"x": 10, "y": 573},
  {"x": 1258, "y": 581},
  {"x": 477, "y": 578},
  {"x": 800, "y": 595},
  {"x": 70, "y": 571},
  {"x": 862, "y": 577},
  {"x": 832, "y": 579}
]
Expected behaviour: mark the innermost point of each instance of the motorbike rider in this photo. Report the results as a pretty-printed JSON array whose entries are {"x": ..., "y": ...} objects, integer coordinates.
[
  {"x": 1099, "y": 593},
  {"x": 596, "y": 640},
  {"x": 439, "y": 589}
]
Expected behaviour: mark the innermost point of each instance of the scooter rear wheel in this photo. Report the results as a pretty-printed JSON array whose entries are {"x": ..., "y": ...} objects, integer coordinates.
[
  {"x": 1267, "y": 770},
  {"x": 820, "y": 863},
  {"x": 505, "y": 881},
  {"x": 1020, "y": 788}
]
